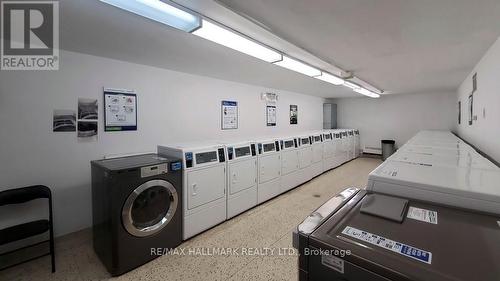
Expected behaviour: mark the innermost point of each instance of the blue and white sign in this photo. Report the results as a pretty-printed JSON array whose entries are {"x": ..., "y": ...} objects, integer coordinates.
[
  {"x": 397, "y": 247},
  {"x": 229, "y": 115}
]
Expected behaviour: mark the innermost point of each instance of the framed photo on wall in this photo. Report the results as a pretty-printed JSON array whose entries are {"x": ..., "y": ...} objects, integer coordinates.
[
  {"x": 293, "y": 114},
  {"x": 471, "y": 109}
]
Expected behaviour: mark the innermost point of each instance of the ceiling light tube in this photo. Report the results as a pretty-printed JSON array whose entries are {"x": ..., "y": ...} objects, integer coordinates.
[
  {"x": 298, "y": 66},
  {"x": 327, "y": 77},
  {"x": 351, "y": 85},
  {"x": 367, "y": 92},
  {"x": 225, "y": 37},
  {"x": 159, "y": 11}
]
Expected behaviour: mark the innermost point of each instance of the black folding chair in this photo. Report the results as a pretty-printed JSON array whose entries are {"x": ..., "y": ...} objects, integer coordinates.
[{"x": 29, "y": 229}]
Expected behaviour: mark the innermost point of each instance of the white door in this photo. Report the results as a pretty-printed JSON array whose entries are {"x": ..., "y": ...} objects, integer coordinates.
[
  {"x": 289, "y": 161},
  {"x": 305, "y": 157},
  {"x": 317, "y": 152},
  {"x": 242, "y": 175},
  {"x": 205, "y": 185},
  {"x": 269, "y": 167}
]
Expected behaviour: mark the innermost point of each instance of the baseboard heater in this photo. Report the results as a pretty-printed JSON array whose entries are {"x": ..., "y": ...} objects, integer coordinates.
[{"x": 372, "y": 150}]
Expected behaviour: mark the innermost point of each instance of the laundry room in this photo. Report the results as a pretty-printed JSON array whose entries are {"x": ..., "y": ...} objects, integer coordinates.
[{"x": 261, "y": 140}]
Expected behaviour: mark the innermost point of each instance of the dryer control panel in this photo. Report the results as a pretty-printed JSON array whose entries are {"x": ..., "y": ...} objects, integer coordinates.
[{"x": 241, "y": 151}]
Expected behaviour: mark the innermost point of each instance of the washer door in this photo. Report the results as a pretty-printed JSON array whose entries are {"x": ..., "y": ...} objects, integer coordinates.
[{"x": 149, "y": 208}]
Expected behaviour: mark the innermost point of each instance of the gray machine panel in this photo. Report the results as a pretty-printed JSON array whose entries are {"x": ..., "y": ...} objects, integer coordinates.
[{"x": 462, "y": 246}]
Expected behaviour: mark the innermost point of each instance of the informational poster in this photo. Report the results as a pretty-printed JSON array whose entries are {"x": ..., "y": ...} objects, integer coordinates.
[
  {"x": 120, "y": 108},
  {"x": 471, "y": 109},
  {"x": 229, "y": 115},
  {"x": 294, "y": 112},
  {"x": 271, "y": 115}
]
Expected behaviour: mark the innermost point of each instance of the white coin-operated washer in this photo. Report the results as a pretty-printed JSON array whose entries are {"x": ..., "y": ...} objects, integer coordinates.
[
  {"x": 204, "y": 184},
  {"x": 241, "y": 177},
  {"x": 340, "y": 154},
  {"x": 357, "y": 144},
  {"x": 305, "y": 158},
  {"x": 290, "y": 176},
  {"x": 352, "y": 141},
  {"x": 328, "y": 151},
  {"x": 269, "y": 169},
  {"x": 343, "y": 153},
  {"x": 467, "y": 188},
  {"x": 317, "y": 154}
]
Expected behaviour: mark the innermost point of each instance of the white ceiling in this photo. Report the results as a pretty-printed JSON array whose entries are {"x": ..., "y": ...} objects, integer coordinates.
[
  {"x": 399, "y": 46},
  {"x": 95, "y": 28}
]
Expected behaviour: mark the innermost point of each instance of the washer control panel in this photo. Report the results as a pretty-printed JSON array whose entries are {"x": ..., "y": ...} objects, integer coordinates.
[{"x": 154, "y": 170}]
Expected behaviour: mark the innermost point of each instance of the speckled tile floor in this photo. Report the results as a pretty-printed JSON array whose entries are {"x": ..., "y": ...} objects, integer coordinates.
[{"x": 267, "y": 227}]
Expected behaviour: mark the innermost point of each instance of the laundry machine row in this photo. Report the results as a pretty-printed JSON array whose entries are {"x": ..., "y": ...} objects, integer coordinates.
[{"x": 224, "y": 179}]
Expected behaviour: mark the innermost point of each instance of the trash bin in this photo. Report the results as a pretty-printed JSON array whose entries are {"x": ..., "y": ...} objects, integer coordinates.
[{"x": 388, "y": 148}]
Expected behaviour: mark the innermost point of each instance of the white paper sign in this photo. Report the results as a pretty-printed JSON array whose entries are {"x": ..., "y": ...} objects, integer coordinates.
[
  {"x": 423, "y": 215},
  {"x": 271, "y": 115},
  {"x": 229, "y": 116}
]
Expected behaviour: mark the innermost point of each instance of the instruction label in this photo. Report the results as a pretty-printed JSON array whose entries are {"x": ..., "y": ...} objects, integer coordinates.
[
  {"x": 333, "y": 262},
  {"x": 396, "y": 247},
  {"x": 423, "y": 215}
]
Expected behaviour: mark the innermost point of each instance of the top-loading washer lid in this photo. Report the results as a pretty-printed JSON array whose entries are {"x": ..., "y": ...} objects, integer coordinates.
[
  {"x": 462, "y": 246},
  {"x": 469, "y": 188}
]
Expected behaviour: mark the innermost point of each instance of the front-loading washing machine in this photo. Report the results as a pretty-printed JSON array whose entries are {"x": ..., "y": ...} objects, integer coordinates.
[
  {"x": 305, "y": 158},
  {"x": 241, "y": 177},
  {"x": 136, "y": 207},
  {"x": 269, "y": 169},
  {"x": 317, "y": 154},
  {"x": 290, "y": 176},
  {"x": 204, "y": 184}
]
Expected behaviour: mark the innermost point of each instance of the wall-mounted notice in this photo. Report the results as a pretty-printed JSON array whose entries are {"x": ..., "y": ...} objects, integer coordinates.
[
  {"x": 229, "y": 115},
  {"x": 294, "y": 114},
  {"x": 271, "y": 115},
  {"x": 471, "y": 108},
  {"x": 120, "y": 110}
]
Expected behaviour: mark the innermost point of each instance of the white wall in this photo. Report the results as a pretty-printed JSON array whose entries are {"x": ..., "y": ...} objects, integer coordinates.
[
  {"x": 172, "y": 107},
  {"x": 397, "y": 117},
  {"x": 484, "y": 133}
]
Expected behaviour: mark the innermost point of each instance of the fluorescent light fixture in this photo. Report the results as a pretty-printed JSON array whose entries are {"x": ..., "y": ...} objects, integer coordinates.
[
  {"x": 351, "y": 85},
  {"x": 298, "y": 66},
  {"x": 159, "y": 11},
  {"x": 367, "y": 92},
  {"x": 225, "y": 37},
  {"x": 327, "y": 77}
]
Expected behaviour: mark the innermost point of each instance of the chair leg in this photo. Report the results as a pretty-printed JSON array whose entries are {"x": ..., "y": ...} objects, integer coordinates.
[{"x": 52, "y": 252}]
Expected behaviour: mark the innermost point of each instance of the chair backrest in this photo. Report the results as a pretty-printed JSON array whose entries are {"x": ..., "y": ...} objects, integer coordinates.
[{"x": 24, "y": 194}]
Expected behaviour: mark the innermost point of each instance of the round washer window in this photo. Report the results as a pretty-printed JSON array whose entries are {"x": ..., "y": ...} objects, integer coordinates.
[{"x": 149, "y": 208}]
